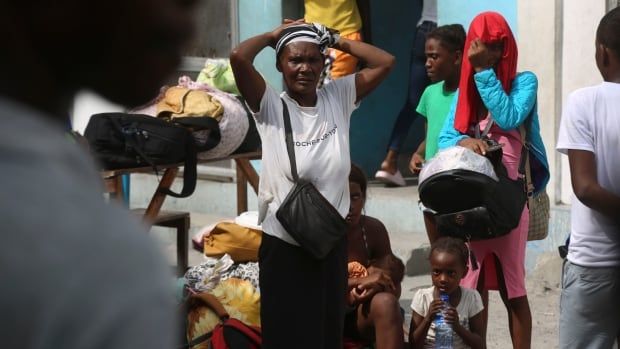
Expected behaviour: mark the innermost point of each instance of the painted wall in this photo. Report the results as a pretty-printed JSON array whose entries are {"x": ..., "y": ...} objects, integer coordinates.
[
  {"x": 259, "y": 16},
  {"x": 459, "y": 11}
]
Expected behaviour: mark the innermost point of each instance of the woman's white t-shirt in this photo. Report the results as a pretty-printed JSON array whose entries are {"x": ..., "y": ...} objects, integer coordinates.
[
  {"x": 321, "y": 142},
  {"x": 469, "y": 306}
]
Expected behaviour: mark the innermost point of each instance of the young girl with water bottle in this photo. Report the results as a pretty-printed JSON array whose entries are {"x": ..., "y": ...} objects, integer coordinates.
[{"x": 447, "y": 315}]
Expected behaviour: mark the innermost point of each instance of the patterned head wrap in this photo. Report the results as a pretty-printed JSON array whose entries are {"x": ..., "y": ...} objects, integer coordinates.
[{"x": 309, "y": 32}]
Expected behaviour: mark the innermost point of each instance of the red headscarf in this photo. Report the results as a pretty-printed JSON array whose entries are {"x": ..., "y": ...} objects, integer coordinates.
[{"x": 489, "y": 27}]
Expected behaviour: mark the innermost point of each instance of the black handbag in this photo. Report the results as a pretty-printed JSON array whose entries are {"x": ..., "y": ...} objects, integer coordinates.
[
  {"x": 120, "y": 140},
  {"x": 305, "y": 214},
  {"x": 498, "y": 213},
  {"x": 469, "y": 206}
]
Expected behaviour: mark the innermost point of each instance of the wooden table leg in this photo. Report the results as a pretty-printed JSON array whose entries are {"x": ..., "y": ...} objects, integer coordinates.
[
  {"x": 114, "y": 187},
  {"x": 158, "y": 197},
  {"x": 249, "y": 172},
  {"x": 245, "y": 174},
  {"x": 242, "y": 192}
]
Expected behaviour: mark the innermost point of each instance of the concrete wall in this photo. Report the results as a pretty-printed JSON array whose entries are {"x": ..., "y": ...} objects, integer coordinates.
[
  {"x": 537, "y": 44},
  {"x": 581, "y": 19}
]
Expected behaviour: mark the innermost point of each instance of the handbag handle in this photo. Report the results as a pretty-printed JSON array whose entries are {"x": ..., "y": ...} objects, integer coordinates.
[
  {"x": 289, "y": 140},
  {"x": 524, "y": 130},
  {"x": 211, "y": 302},
  {"x": 524, "y": 162}
]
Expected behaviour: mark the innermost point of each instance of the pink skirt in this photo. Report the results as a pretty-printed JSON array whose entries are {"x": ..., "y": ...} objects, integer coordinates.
[
  {"x": 510, "y": 248},
  {"x": 510, "y": 252}
]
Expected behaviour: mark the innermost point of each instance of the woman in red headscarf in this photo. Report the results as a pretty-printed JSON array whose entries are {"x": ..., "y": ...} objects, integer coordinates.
[{"x": 492, "y": 94}]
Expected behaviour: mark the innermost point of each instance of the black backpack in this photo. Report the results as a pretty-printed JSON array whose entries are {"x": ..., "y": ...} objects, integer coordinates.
[{"x": 120, "y": 140}]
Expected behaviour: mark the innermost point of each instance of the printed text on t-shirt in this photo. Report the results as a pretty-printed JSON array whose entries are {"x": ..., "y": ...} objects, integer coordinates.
[{"x": 318, "y": 140}]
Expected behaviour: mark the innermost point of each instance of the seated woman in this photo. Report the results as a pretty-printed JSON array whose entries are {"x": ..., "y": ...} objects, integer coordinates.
[{"x": 375, "y": 275}]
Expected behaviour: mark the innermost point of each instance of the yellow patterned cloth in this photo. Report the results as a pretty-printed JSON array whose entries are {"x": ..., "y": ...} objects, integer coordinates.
[{"x": 240, "y": 299}]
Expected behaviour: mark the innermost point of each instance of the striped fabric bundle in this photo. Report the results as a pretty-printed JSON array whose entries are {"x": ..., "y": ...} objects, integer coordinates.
[{"x": 309, "y": 32}]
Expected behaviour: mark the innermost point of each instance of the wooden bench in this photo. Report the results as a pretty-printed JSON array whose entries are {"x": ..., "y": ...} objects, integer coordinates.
[{"x": 153, "y": 215}]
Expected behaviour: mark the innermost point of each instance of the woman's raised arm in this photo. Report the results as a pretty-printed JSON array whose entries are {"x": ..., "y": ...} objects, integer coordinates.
[
  {"x": 249, "y": 81},
  {"x": 378, "y": 64}
]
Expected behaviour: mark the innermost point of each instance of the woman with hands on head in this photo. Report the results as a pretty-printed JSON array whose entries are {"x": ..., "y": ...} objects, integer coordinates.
[
  {"x": 374, "y": 314},
  {"x": 302, "y": 302},
  {"x": 491, "y": 92}
]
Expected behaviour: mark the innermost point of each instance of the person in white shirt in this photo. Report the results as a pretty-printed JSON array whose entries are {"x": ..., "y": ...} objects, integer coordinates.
[
  {"x": 590, "y": 136},
  {"x": 302, "y": 298}
]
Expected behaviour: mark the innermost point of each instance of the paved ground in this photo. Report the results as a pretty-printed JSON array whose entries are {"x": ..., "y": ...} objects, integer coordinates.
[{"x": 542, "y": 284}]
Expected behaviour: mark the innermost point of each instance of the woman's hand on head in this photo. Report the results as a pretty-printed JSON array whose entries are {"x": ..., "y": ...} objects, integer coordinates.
[
  {"x": 477, "y": 145},
  {"x": 275, "y": 34},
  {"x": 481, "y": 57}
]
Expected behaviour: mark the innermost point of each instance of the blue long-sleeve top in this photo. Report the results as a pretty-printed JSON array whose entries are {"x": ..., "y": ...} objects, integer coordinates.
[{"x": 509, "y": 111}]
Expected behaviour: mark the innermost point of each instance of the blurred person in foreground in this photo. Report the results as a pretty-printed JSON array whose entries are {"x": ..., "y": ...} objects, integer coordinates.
[{"x": 77, "y": 272}]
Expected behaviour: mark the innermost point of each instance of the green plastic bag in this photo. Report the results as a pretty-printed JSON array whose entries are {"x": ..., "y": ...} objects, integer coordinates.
[{"x": 218, "y": 73}]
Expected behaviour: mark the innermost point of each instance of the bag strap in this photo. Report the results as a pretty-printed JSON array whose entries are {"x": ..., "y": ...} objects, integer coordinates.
[
  {"x": 190, "y": 171},
  {"x": 487, "y": 128},
  {"x": 212, "y": 303},
  {"x": 525, "y": 161},
  {"x": 289, "y": 140},
  {"x": 189, "y": 167}
]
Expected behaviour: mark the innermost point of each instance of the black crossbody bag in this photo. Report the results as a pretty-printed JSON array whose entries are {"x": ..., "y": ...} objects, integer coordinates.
[{"x": 305, "y": 214}]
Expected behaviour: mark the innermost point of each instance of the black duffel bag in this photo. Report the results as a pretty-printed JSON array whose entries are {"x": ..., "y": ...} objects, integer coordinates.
[{"x": 120, "y": 140}]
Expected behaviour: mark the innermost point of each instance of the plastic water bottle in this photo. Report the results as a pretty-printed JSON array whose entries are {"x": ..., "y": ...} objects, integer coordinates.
[{"x": 443, "y": 330}]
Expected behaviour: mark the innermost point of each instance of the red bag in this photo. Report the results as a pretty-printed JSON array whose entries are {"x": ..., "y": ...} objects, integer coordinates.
[{"x": 230, "y": 333}]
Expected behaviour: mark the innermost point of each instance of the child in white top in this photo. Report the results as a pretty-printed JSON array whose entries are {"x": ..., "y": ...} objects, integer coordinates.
[{"x": 448, "y": 259}]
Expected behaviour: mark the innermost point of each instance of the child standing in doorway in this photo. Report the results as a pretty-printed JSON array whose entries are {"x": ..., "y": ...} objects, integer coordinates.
[{"x": 448, "y": 259}]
